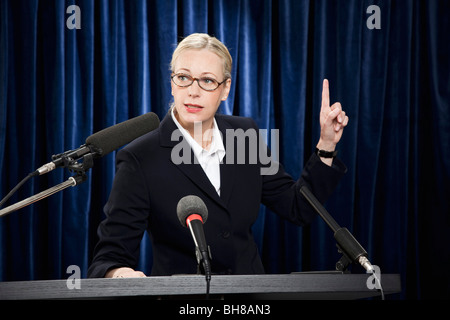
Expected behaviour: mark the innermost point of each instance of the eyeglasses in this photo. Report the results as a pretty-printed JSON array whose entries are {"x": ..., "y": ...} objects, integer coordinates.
[{"x": 206, "y": 83}]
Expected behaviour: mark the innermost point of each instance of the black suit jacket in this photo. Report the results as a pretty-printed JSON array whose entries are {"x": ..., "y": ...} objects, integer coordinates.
[{"x": 148, "y": 185}]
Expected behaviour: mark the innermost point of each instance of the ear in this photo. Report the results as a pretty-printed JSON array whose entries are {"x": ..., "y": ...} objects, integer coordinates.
[{"x": 226, "y": 91}]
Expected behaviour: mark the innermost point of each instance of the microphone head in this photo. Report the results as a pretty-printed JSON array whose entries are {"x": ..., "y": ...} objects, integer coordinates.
[
  {"x": 112, "y": 138},
  {"x": 191, "y": 205}
]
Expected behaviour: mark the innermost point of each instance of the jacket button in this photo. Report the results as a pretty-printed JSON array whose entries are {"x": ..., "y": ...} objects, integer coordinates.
[{"x": 225, "y": 234}]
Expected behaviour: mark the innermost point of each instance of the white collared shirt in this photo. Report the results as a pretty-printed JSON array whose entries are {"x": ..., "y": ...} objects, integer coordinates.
[{"x": 210, "y": 159}]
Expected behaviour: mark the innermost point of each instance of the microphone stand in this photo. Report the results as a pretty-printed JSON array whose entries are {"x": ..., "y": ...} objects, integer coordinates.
[
  {"x": 203, "y": 259},
  {"x": 71, "y": 182},
  {"x": 350, "y": 248},
  {"x": 347, "y": 245},
  {"x": 72, "y": 165},
  {"x": 203, "y": 255}
]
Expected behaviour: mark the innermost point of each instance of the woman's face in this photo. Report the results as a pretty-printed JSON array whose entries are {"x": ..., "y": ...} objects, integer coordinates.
[{"x": 192, "y": 103}]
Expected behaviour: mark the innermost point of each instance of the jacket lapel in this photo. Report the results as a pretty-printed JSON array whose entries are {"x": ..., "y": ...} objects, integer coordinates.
[
  {"x": 191, "y": 169},
  {"x": 227, "y": 170}
]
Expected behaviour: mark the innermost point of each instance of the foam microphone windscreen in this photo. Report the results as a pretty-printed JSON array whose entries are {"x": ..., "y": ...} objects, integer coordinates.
[
  {"x": 191, "y": 205},
  {"x": 112, "y": 138}
]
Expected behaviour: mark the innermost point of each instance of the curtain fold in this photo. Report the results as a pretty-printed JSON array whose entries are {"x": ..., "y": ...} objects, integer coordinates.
[{"x": 59, "y": 85}]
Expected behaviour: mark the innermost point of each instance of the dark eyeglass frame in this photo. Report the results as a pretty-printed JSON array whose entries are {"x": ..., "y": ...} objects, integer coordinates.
[{"x": 196, "y": 79}]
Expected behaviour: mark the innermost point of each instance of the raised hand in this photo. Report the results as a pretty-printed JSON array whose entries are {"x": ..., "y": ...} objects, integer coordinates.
[{"x": 332, "y": 121}]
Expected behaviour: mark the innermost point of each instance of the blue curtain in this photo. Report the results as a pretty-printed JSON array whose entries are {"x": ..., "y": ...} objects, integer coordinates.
[{"x": 59, "y": 85}]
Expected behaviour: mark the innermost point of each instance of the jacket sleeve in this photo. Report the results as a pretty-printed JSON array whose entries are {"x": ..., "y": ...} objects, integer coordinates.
[
  {"x": 281, "y": 193},
  {"x": 127, "y": 209}
]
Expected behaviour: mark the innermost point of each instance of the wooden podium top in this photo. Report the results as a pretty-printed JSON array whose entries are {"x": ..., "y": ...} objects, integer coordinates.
[{"x": 281, "y": 286}]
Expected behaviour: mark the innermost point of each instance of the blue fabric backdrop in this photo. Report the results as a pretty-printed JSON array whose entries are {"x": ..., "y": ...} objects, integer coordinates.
[{"x": 60, "y": 85}]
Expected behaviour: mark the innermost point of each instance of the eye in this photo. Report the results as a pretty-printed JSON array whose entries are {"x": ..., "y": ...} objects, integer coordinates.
[
  {"x": 183, "y": 78},
  {"x": 208, "y": 81}
]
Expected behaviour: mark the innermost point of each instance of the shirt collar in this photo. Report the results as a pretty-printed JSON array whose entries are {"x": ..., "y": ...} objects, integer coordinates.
[{"x": 216, "y": 141}]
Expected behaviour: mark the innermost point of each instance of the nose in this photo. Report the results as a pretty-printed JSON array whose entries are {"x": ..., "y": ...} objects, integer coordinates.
[{"x": 194, "y": 89}]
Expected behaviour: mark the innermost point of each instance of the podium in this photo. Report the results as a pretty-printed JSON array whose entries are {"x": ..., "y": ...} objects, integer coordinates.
[{"x": 303, "y": 285}]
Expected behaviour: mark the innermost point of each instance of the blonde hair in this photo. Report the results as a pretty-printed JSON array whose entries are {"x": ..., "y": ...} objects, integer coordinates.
[{"x": 204, "y": 41}]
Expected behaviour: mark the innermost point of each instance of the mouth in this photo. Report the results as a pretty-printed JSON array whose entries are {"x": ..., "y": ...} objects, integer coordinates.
[{"x": 193, "y": 107}]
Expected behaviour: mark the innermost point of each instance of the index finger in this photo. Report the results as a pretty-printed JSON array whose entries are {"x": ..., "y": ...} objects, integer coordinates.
[{"x": 325, "y": 94}]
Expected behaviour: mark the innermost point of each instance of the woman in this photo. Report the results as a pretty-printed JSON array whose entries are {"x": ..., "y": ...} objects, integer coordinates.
[{"x": 150, "y": 178}]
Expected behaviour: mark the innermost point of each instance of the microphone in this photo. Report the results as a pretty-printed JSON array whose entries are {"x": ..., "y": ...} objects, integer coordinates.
[
  {"x": 192, "y": 213},
  {"x": 105, "y": 141},
  {"x": 346, "y": 242},
  {"x": 97, "y": 145}
]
